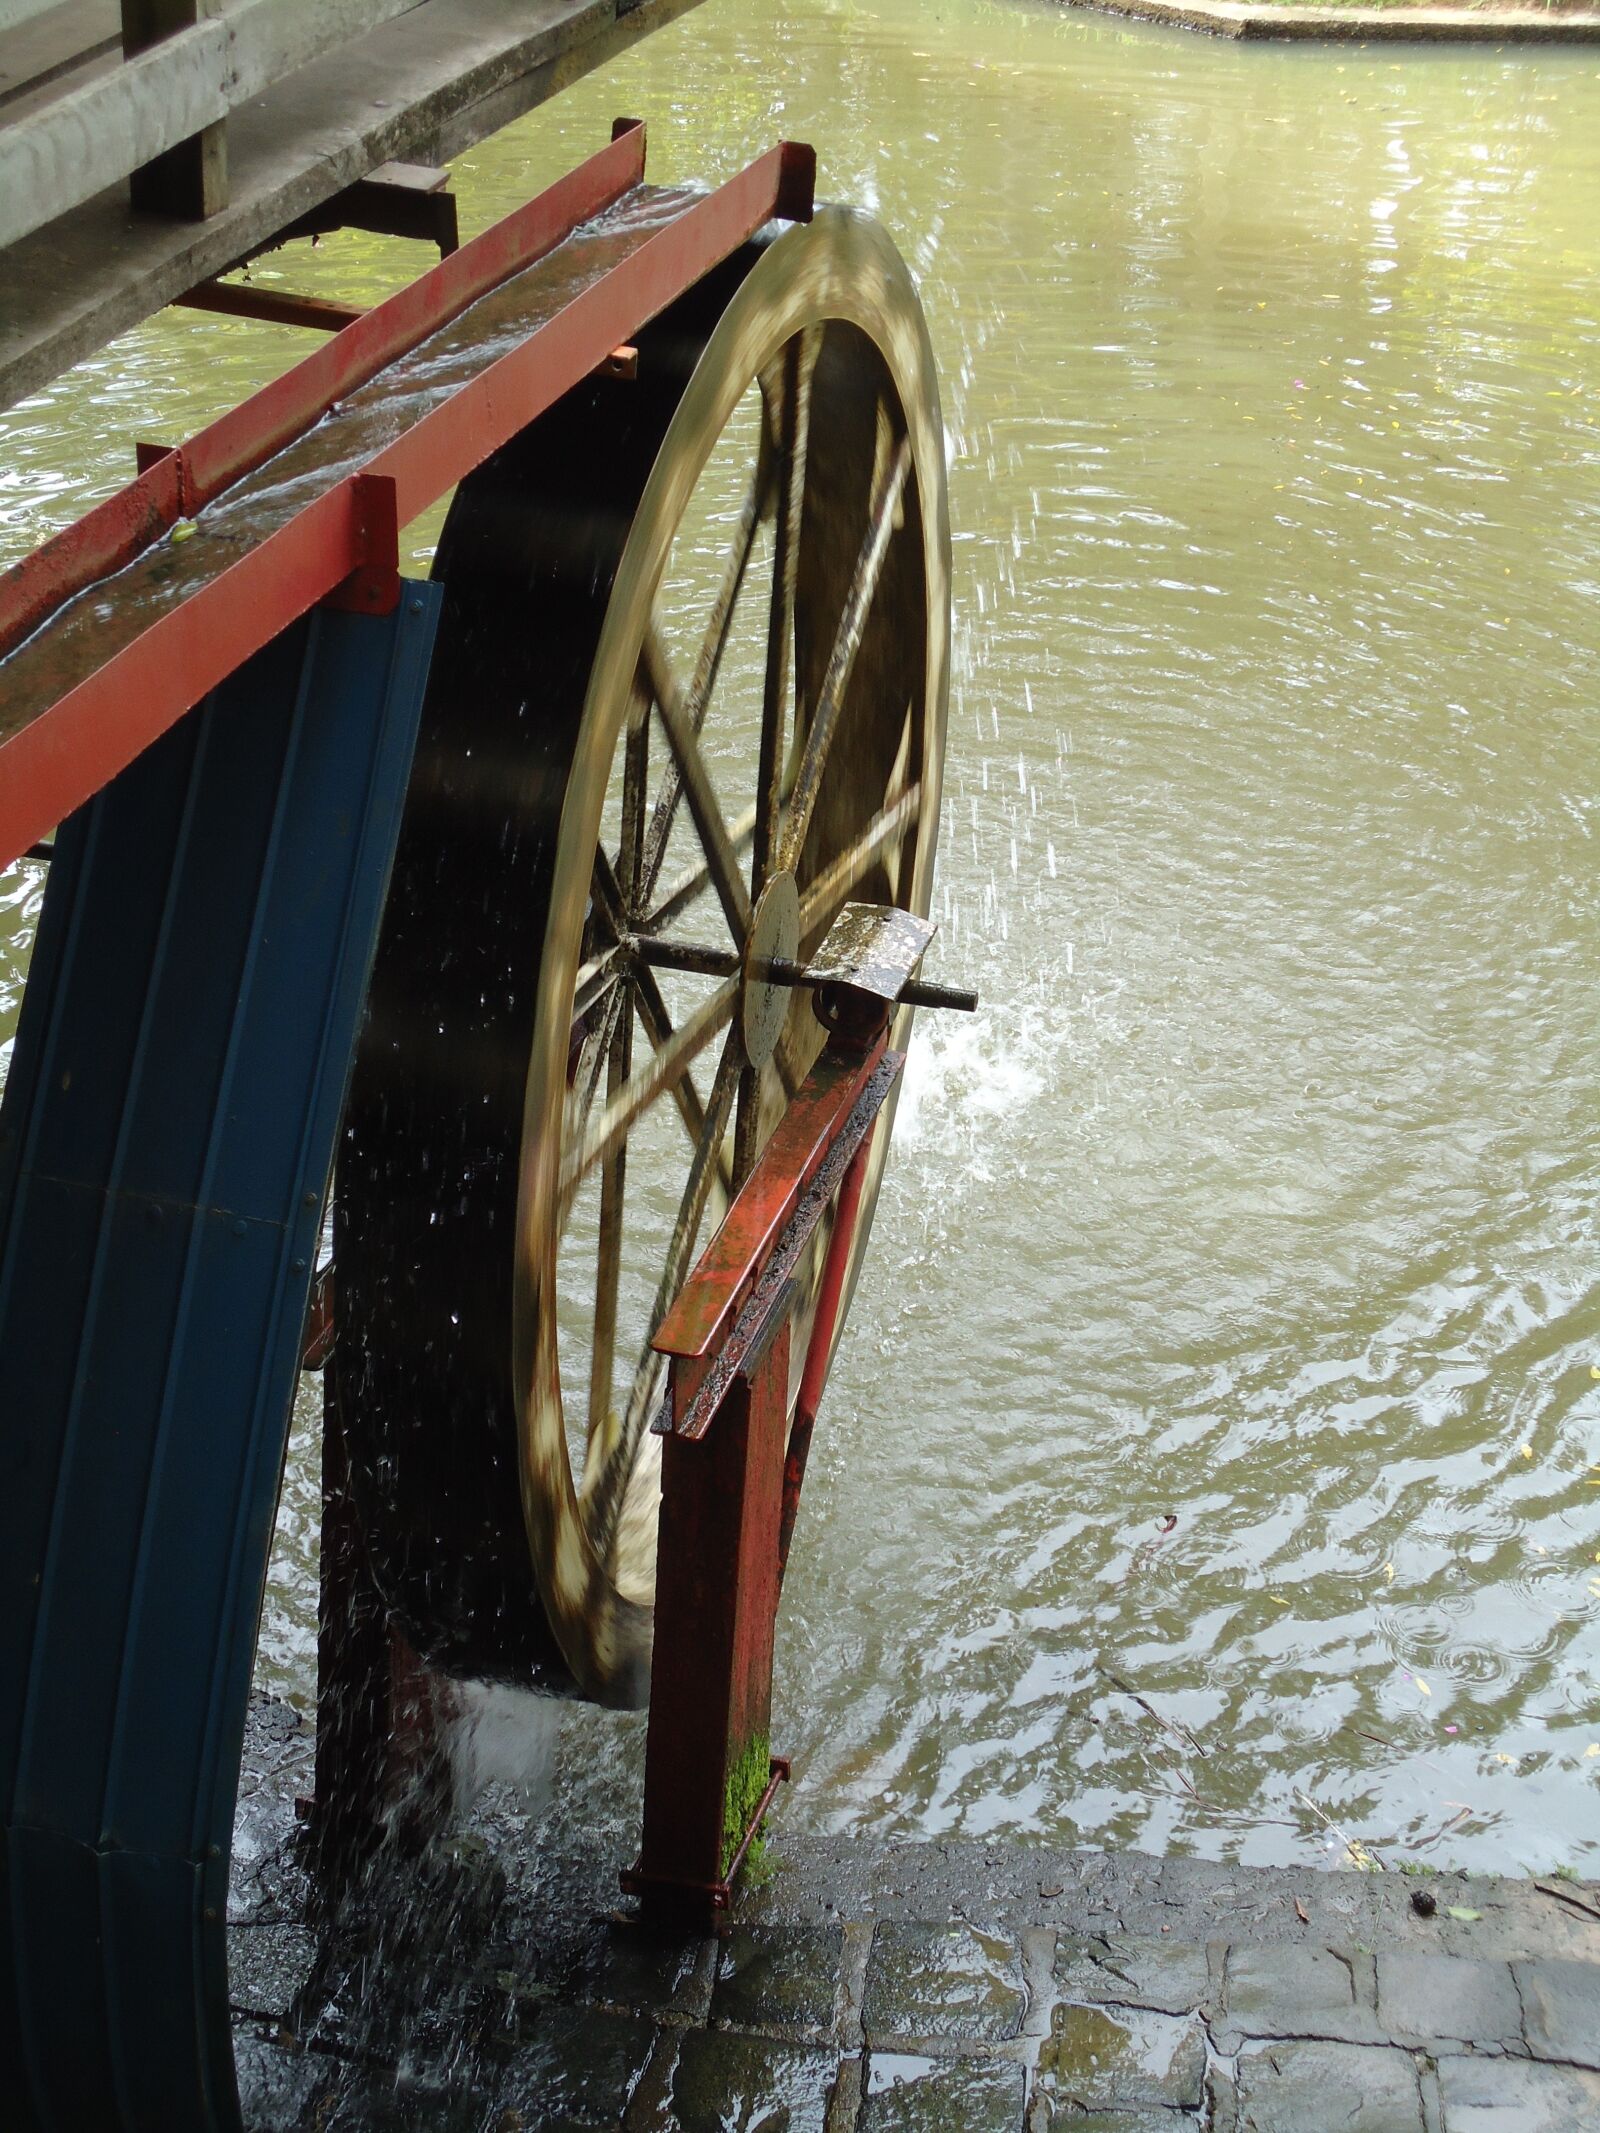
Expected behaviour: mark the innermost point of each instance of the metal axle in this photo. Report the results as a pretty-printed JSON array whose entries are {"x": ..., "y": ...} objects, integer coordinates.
[{"x": 661, "y": 954}]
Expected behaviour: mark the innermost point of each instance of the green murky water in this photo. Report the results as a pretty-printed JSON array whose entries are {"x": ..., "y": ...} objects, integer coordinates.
[{"x": 1229, "y": 1336}]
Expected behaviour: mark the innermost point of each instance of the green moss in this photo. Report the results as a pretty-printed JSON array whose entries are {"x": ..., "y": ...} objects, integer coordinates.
[{"x": 747, "y": 1781}]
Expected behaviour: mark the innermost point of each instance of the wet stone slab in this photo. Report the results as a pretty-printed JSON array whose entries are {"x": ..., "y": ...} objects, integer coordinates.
[
  {"x": 724, "y": 2081},
  {"x": 907, "y": 2093},
  {"x": 578, "y": 2063},
  {"x": 1169, "y": 1977},
  {"x": 1561, "y": 2010},
  {"x": 1101, "y": 2058},
  {"x": 1514, "y": 2096},
  {"x": 943, "y": 1981},
  {"x": 1315, "y": 2088},
  {"x": 776, "y": 1977},
  {"x": 1440, "y": 1999},
  {"x": 626, "y": 1967},
  {"x": 1295, "y": 1992}
]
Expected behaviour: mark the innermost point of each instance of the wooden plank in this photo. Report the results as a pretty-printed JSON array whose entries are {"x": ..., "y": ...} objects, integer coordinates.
[
  {"x": 58, "y": 41},
  {"x": 419, "y": 88},
  {"x": 189, "y": 178},
  {"x": 188, "y": 62}
]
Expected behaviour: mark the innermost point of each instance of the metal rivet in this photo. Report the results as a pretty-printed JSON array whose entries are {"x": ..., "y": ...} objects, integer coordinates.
[
  {"x": 310, "y": 1199},
  {"x": 239, "y": 1228},
  {"x": 416, "y": 607},
  {"x": 298, "y": 1266}
]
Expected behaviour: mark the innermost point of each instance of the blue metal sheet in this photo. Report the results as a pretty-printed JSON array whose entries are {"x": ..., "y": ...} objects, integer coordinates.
[{"x": 165, "y": 1138}]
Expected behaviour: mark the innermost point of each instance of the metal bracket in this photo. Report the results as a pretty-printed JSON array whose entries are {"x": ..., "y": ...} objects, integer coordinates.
[{"x": 373, "y": 587}]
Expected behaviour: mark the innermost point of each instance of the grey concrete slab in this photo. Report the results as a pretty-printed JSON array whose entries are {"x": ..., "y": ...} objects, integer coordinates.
[
  {"x": 578, "y": 2063},
  {"x": 942, "y": 1981},
  {"x": 1172, "y": 1977},
  {"x": 1294, "y": 2087},
  {"x": 1101, "y": 2058},
  {"x": 722, "y": 2080},
  {"x": 1517, "y": 2096},
  {"x": 1428, "y": 1999},
  {"x": 1561, "y": 2010},
  {"x": 785, "y": 1979},
  {"x": 905, "y": 2093},
  {"x": 1295, "y": 1992}
]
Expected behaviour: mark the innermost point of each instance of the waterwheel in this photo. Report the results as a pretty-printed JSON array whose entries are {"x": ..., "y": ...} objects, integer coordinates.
[{"x": 688, "y": 697}]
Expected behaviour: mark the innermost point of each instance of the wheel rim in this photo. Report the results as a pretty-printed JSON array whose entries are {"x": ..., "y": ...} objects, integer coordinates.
[
  {"x": 822, "y": 295},
  {"x": 519, "y": 994}
]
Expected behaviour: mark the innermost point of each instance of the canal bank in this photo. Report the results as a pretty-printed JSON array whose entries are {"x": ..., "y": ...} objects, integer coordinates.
[
  {"x": 1363, "y": 25},
  {"x": 869, "y": 1985}
]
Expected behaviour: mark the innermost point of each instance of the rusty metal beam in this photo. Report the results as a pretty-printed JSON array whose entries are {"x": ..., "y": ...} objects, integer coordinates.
[{"x": 277, "y": 307}]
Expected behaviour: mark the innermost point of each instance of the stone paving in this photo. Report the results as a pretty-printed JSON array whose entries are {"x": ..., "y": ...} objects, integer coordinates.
[{"x": 869, "y": 1987}]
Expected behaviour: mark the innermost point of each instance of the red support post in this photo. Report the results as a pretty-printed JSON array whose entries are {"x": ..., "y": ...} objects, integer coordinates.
[
  {"x": 708, "y": 1758},
  {"x": 730, "y": 1486}
]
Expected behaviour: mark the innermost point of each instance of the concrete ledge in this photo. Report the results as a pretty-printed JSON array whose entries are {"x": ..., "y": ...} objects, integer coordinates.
[
  {"x": 1362, "y": 25},
  {"x": 874, "y": 1987}
]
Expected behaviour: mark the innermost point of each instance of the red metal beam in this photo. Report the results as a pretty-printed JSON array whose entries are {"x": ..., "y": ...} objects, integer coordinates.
[
  {"x": 112, "y": 534},
  {"x": 710, "y": 1300},
  {"x": 71, "y": 746}
]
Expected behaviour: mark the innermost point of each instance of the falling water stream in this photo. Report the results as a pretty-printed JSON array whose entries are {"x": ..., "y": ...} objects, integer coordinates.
[{"x": 1217, "y": 1430}]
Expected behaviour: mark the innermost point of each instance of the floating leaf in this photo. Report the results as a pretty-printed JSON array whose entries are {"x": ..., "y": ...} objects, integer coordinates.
[
  {"x": 1527, "y": 1451},
  {"x": 1421, "y": 1684},
  {"x": 1388, "y": 1571},
  {"x": 1464, "y": 1912},
  {"x": 1592, "y": 1749}
]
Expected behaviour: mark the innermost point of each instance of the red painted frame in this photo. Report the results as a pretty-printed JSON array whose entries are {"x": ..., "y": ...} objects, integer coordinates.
[
  {"x": 78, "y": 743},
  {"x": 731, "y": 1472}
]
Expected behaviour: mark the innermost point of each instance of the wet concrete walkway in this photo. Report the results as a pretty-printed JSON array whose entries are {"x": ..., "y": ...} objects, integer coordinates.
[{"x": 915, "y": 1987}]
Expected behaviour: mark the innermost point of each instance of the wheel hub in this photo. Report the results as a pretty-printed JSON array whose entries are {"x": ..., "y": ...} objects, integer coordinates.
[{"x": 774, "y": 938}]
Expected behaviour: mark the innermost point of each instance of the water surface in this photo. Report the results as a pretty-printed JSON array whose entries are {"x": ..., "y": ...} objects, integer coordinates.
[{"x": 1217, "y": 1430}]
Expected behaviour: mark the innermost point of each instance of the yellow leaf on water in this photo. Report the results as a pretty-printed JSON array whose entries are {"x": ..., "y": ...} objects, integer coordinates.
[
  {"x": 1273, "y": 1597},
  {"x": 1421, "y": 1684},
  {"x": 1388, "y": 1571},
  {"x": 1527, "y": 1451},
  {"x": 1592, "y": 1749}
]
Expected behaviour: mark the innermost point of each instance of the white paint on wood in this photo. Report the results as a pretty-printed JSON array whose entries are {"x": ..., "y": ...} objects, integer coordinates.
[{"x": 55, "y": 156}]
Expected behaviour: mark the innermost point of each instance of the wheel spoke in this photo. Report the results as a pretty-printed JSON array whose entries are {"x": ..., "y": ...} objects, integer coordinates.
[
  {"x": 657, "y": 1022},
  {"x": 799, "y": 361},
  {"x": 703, "y": 680},
  {"x": 823, "y": 896},
  {"x": 664, "y": 1071},
  {"x": 608, "y": 1249},
  {"x": 595, "y": 978},
  {"x": 596, "y": 1051},
  {"x": 635, "y": 768},
  {"x": 880, "y": 531},
  {"x": 684, "y": 741},
  {"x": 704, "y": 1171},
  {"x": 695, "y": 880}
]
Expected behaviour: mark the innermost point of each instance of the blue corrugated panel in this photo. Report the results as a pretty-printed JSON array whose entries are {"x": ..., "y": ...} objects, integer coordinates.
[{"x": 165, "y": 1139}]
